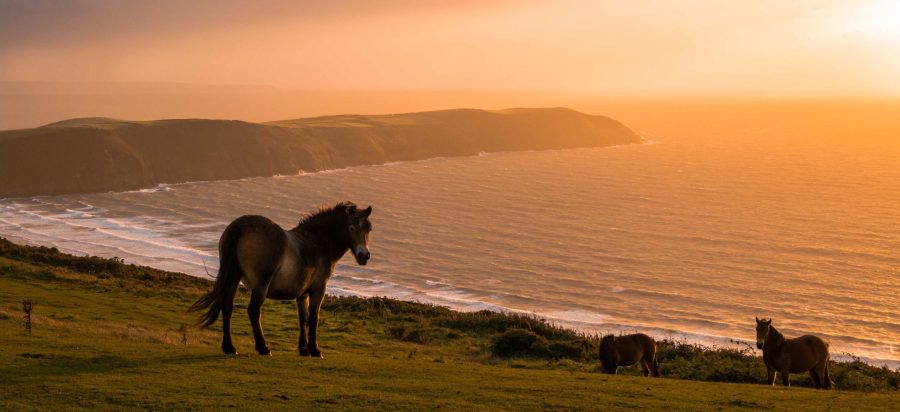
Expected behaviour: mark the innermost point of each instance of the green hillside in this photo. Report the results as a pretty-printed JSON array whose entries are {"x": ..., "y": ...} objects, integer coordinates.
[{"x": 106, "y": 335}]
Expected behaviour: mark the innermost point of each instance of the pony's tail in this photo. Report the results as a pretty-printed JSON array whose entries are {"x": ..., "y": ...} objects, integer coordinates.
[
  {"x": 655, "y": 368},
  {"x": 828, "y": 382},
  {"x": 227, "y": 281}
]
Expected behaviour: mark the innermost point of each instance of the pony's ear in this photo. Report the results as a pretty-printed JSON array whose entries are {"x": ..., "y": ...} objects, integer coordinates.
[
  {"x": 367, "y": 211},
  {"x": 350, "y": 209},
  {"x": 757, "y": 320}
]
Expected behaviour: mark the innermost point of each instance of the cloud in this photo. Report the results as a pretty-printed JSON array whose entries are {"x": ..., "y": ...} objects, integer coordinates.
[{"x": 45, "y": 23}]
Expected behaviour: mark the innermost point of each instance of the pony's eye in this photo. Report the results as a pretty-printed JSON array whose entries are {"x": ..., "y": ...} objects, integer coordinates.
[{"x": 352, "y": 228}]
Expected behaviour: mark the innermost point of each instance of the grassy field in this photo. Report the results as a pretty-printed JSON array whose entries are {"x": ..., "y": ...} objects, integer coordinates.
[{"x": 111, "y": 336}]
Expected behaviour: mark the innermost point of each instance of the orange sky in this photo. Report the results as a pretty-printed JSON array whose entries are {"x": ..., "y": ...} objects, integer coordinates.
[{"x": 615, "y": 48}]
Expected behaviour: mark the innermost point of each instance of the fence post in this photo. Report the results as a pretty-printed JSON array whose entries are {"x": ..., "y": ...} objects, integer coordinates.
[
  {"x": 184, "y": 337},
  {"x": 26, "y": 307}
]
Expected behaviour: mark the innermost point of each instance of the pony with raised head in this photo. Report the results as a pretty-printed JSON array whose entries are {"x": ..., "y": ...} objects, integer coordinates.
[
  {"x": 806, "y": 353},
  {"x": 283, "y": 264},
  {"x": 627, "y": 350}
]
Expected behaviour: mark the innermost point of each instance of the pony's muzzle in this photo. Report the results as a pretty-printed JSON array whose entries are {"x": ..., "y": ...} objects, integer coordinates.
[
  {"x": 759, "y": 344},
  {"x": 362, "y": 255}
]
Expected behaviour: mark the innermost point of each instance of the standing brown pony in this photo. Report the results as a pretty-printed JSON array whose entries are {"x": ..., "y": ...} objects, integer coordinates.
[
  {"x": 283, "y": 264},
  {"x": 627, "y": 350},
  {"x": 797, "y": 355}
]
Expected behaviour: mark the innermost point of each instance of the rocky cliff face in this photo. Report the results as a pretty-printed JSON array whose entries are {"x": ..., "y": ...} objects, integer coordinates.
[{"x": 98, "y": 154}]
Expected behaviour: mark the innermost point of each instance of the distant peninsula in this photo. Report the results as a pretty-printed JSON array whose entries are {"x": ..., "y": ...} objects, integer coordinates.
[{"x": 100, "y": 154}]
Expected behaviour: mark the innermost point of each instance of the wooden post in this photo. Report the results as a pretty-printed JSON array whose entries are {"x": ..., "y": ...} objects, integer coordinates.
[
  {"x": 26, "y": 307},
  {"x": 184, "y": 337}
]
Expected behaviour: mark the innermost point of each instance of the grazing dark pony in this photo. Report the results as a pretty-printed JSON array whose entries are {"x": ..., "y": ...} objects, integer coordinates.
[
  {"x": 283, "y": 264},
  {"x": 627, "y": 350},
  {"x": 797, "y": 355}
]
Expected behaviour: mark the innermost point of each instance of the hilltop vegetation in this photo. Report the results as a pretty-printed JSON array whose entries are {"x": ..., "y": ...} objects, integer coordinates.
[
  {"x": 108, "y": 334},
  {"x": 102, "y": 154}
]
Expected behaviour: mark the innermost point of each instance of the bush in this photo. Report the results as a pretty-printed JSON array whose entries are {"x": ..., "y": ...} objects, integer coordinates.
[
  {"x": 487, "y": 322},
  {"x": 420, "y": 334},
  {"x": 860, "y": 376},
  {"x": 518, "y": 342},
  {"x": 574, "y": 349},
  {"x": 697, "y": 362},
  {"x": 523, "y": 342}
]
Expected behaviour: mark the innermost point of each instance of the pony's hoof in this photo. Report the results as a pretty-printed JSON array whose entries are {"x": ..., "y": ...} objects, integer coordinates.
[
  {"x": 316, "y": 354},
  {"x": 303, "y": 352},
  {"x": 264, "y": 352},
  {"x": 230, "y": 351}
]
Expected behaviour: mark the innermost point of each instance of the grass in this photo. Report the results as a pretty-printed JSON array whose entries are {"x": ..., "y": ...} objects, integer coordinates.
[{"x": 110, "y": 336}]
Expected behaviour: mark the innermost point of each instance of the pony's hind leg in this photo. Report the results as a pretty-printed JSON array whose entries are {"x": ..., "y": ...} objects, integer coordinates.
[
  {"x": 828, "y": 383},
  {"x": 645, "y": 366},
  {"x": 254, "y": 310},
  {"x": 227, "y": 309},
  {"x": 819, "y": 374},
  {"x": 816, "y": 378},
  {"x": 650, "y": 357}
]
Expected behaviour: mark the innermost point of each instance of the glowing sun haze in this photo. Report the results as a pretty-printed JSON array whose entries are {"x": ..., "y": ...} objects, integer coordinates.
[{"x": 624, "y": 48}]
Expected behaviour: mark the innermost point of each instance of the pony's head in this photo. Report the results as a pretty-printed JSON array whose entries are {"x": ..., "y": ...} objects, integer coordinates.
[
  {"x": 358, "y": 227},
  {"x": 762, "y": 331},
  {"x": 609, "y": 354}
]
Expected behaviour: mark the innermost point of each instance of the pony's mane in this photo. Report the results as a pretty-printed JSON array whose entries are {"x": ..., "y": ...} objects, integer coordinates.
[
  {"x": 777, "y": 337},
  {"x": 323, "y": 217}
]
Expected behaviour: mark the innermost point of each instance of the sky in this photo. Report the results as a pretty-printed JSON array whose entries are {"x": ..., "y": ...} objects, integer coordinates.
[{"x": 616, "y": 48}]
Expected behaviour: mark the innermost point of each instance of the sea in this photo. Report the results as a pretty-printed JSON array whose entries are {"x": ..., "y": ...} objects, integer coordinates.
[{"x": 687, "y": 237}]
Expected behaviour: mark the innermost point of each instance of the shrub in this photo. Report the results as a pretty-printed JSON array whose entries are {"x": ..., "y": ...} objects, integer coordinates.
[
  {"x": 574, "y": 349},
  {"x": 487, "y": 323},
  {"x": 419, "y": 334},
  {"x": 518, "y": 342}
]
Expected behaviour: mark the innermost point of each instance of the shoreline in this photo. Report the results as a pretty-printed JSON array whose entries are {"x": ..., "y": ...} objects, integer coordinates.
[{"x": 168, "y": 186}]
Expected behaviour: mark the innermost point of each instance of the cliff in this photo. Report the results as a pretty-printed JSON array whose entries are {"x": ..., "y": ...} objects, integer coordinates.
[{"x": 101, "y": 154}]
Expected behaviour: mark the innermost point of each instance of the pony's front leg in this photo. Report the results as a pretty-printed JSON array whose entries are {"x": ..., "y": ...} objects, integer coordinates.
[
  {"x": 315, "y": 303},
  {"x": 772, "y": 374},
  {"x": 786, "y": 377},
  {"x": 303, "y": 312}
]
